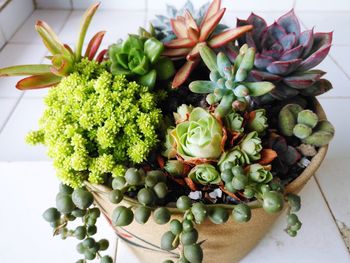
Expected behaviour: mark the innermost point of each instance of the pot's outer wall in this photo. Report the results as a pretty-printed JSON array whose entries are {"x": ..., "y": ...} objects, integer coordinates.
[{"x": 227, "y": 243}]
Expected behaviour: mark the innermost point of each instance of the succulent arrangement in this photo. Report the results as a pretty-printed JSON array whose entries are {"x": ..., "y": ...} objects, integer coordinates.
[{"x": 109, "y": 121}]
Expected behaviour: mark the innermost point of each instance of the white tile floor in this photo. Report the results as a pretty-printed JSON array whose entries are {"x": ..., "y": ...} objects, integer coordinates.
[{"x": 325, "y": 198}]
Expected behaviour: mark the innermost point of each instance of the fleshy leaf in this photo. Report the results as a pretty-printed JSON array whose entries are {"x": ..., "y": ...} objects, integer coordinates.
[
  {"x": 148, "y": 80},
  {"x": 209, "y": 58},
  {"x": 306, "y": 39},
  {"x": 262, "y": 61},
  {"x": 291, "y": 156},
  {"x": 259, "y": 25},
  {"x": 179, "y": 52},
  {"x": 208, "y": 27},
  {"x": 25, "y": 70},
  {"x": 153, "y": 48},
  {"x": 179, "y": 27},
  {"x": 228, "y": 36},
  {"x": 183, "y": 73},
  {"x": 212, "y": 9},
  {"x": 288, "y": 41},
  {"x": 293, "y": 53},
  {"x": 202, "y": 86},
  {"x": 165, "y": 68},
  {"x": 315, "y": 59},
  {"x": 190, "y": 22},
  {"x": 264, "y": 76},
  {"x": 318, "y": 88},
  {"x": 38, "y": 82},
  {"x": 257, "y": 89},
  {"x": 321, "y": 40},
  {"x": 94, "y": 45},
  {"x": 282, "y": 92},
  {"x": 180, "y": 43},
  {"x": 49, "y": 37},
  {"x": 224, "y": 65},
  {"x": 84, "y": 27},
  {"x": 304, "y": 79},
  {"x": 194, "y": 53},
  {"x": 224, "y": 106},
  {"x": 290, "y": 23},
  {"x": 283, "y": 67}
]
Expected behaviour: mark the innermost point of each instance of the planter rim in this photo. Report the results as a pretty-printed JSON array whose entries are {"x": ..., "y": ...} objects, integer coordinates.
[{"x": 292, "y": 187}]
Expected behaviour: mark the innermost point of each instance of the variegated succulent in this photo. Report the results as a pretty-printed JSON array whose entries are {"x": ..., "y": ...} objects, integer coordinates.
[
  {"x": 62, "y": 57},
  {"x": 228, "y": 84},
  {"x": 286, "y": 56},
  {"x": 162, "y": 23},
  {"x": 191, "y": 36}
]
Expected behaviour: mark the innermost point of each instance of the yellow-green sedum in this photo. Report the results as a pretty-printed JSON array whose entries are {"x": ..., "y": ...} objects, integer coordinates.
[{"x": 95, "y": 123}]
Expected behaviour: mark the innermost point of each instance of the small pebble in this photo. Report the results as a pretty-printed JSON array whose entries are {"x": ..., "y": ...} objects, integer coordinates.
[{"x": 196, "y": 195}]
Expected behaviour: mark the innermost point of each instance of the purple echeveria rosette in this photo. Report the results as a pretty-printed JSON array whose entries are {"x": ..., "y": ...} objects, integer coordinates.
[{"x": 286, "y": 56}]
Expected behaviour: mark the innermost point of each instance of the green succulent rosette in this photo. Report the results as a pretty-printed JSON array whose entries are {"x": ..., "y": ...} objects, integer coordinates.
[
  {"x": 258, "y": 121},
  {"x": 234, "y": 157},
  {"x": 205, "y": 174},
  {"x": 259, "y": 174},
  {"x": 234, "y": 122},
  {"x": 251, "y": 147},
  {"x": 200, "y": 137},
  {"x": 140, "y": 59}
]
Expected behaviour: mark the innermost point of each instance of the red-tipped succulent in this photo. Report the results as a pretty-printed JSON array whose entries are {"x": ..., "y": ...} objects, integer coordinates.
[
  {"x": 286, "y": 56},
  {"x": 191, "y": 36},
  {"x": 62, "y": 56}
]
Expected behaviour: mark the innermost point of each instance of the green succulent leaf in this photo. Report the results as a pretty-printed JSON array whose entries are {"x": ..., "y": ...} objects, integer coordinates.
[
  {"x": 148, "y": 80},
  {"x": 132, "y": 42},
  {"x": 153, "y": 49},
  {"x": 165, "y": 68},
  {"x": 25, "y": 70},
  {"x": 202, "y": 86},
  {"x": 259, "y": 88},
  {"x": 209, "y": 58}
]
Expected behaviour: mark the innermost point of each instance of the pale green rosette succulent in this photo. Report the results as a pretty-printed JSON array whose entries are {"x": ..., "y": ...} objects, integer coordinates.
[
  {"x": 200, "y": 137},
  {"x": 232, "y": 158},
  {"x": 259, "y": 174},
  {"x": 183, "y": 112},
  {"x": 205, "y": 174},
  {"x": 234, "y": 122},
  {"x": 258, "y": 121},
  {"x": 251, "y": 146}
]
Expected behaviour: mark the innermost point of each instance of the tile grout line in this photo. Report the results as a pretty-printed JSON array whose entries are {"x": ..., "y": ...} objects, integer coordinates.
[
  {"x": 329, "y": 208},
  {"x": 11, "y": 112}
]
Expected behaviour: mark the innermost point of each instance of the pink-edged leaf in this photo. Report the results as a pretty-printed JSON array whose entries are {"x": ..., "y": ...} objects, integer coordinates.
[
  {"x": 62, "y": 66},
  {"x": 303, "y": 80},
  {"x": 49, "y": 37},
  {"x": 264, "y": 76},
  {"x": 25, "y": 70},
  {"x": 193, "y": 34},
  {"x": 180, "y": 43},
  {"x": 38, "y": 82},
  {"x": 228, "y": 36},
  {"x": 194, "y": 54},
  {"x": 292, "y": 53},
  {"x": 321, "y": 40},
  {"x": 290, "y": 23},
  {"x": 259, "y": 25},
  {"x": 87, "y": 17},
  {"x": 318, "y": 88},
  {"x": 184, "y": 72},
  {"x": 190, "y": 22},
  {"x": 209, "y": 26},
  {"x": 179, "y": 27},
  {"x": 262, "y": 61},
  {"x": 94, "y": 45},
  {"x": 283, "y": 67},
  {"x": 101, "y": 55},
  {"x": 315, "y": 59},
  {"x": 306, "y": 39},
  {"x": 179, "y": 52},
  {"x": 69, "y": 49},
  {"x": 277, "y": 31},
  {"x": 231, "y": 51},
  {"x": 212, "y": 10}
]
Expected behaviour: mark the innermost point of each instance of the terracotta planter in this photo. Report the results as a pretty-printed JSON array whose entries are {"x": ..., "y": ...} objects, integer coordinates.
[{"x": 225, "y": 243}]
